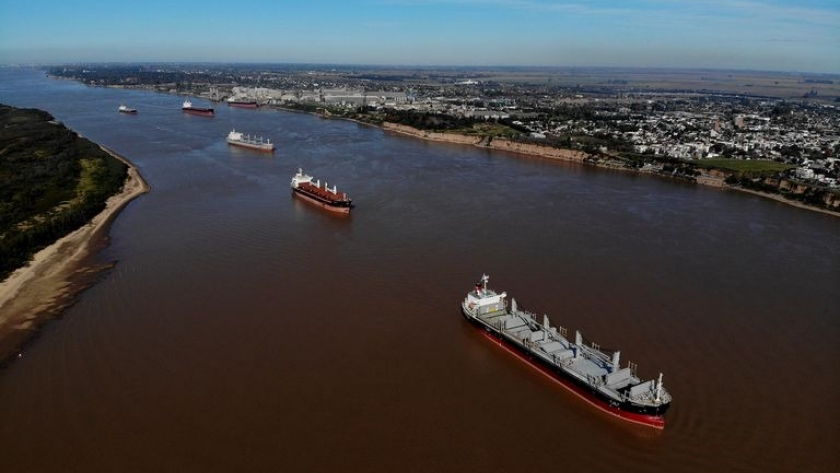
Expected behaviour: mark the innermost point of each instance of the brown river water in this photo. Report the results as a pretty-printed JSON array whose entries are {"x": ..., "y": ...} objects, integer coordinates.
[{"x": 244, "y": 330}]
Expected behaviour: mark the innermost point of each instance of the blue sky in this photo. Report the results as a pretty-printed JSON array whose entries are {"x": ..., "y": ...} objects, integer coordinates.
[{"x": 734, "y": 34}]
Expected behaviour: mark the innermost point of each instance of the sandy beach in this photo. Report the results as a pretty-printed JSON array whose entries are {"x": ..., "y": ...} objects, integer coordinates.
[
  {"x": 51, "y": 281},
  {"x": 779, "y": 198}
]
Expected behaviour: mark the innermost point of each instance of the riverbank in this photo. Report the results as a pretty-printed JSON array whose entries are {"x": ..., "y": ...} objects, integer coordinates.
[
  {"x": 708, "y": 180},
  {"x": 496, "y": 143},
  {"x": 779, "y": 198},
  {"x": 42, "y": 289}
]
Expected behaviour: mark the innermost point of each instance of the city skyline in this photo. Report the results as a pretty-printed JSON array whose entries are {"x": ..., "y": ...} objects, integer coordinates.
[{"x": 751, "y": 34}]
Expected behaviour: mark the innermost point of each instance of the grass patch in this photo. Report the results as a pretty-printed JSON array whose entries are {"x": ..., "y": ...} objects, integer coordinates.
[
  {"x": 495, "y": 130},
  {"x": 741, "y": 166}
]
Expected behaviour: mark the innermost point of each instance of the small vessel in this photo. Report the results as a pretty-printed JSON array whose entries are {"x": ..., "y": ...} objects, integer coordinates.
[
  {"x": 242, "y": 103},
  {"x": 201, "y": 111},
  {"x": 311, "y": 191},
  {"x": 586, "y": 370},
  {"x": 247, "y": 141},
  {"x": 128, "y": 110}
]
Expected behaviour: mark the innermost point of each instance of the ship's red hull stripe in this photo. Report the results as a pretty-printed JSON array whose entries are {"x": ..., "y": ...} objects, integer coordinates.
[{"x": 651, "y": 421}]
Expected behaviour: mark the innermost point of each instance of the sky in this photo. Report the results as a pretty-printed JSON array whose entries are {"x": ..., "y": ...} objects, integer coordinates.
[{"x": 767, "y": 35}]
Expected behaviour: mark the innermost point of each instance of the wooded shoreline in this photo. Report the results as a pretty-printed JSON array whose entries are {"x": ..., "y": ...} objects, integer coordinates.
[{"x": 52, "y": 280}]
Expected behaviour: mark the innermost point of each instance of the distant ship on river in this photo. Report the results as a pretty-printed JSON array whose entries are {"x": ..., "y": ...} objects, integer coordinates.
[
  {"x": 242, "y": 103},
  {"x": 127, "y": 110},
  {"x": 312, "y": 191},
  {"x": 200, "y": 111},
  {"x": 237, "y": 138}
]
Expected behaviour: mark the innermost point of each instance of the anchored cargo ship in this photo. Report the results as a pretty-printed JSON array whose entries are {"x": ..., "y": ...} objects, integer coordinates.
[
  {"x": 583, "y": 368},
  {"x": 322, "y": 196},
  {"x": 242, "y": 103},
  {"x": 201, "y": 111},
  {"x": 247, "y": 141},
  {"x": 128, "y": 110}
]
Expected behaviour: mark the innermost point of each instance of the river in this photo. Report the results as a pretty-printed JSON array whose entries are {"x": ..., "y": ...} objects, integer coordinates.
[{"x": 244, "y": 330}]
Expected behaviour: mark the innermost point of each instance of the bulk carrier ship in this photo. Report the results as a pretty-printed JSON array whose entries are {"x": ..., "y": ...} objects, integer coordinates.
[
  {"x": 127, "y": 110},
  {"x": 322, "y": 196},
  {"x": 242, "y": 103},
  {"x": 587, "y": 371},
  {"x": 252, "y": 142},
  {"x": 200, "y": 111}
]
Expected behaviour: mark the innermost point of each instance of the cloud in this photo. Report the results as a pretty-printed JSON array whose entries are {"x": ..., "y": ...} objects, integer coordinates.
[{"x": 768, "y": 10}]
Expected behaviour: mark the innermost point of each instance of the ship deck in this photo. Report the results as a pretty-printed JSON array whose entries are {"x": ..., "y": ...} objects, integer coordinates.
[
  {"x": 554, "y": 348},
  {"x": 582, "y": 367},
  {"x": 323, "y": 193}
]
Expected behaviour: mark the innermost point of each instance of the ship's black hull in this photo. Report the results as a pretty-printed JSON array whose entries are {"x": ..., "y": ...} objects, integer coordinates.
[
  {"x": 646, "y": 415},
  {"x": 243, "y": 104},
  {"x": 202, "y": 112}
]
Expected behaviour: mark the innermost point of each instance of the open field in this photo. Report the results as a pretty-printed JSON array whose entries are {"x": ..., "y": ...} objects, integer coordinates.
[
  {"x": 744, "y": 166},
  {"x": 756, "y": 83},
  {"x": 606, "y": 81},
  {"x": 495, "y": 130}
]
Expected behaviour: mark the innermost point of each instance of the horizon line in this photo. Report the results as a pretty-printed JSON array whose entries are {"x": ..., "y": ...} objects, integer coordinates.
[{"x": 416, "y": 66}]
